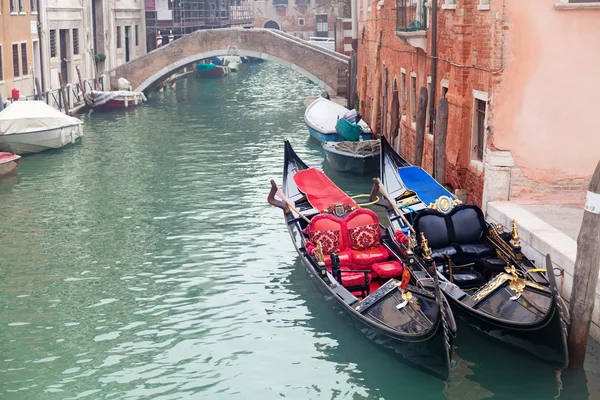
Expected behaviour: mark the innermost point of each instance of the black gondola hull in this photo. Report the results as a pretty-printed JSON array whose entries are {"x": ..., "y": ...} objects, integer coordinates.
[{"x": 429, "y": 353}]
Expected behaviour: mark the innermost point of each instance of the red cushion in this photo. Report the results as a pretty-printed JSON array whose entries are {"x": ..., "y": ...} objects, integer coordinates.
[
  {"x": 363, "y": 257},
  {"x": 390, "y": 269},
  {"x": 345, "y": 259},
  {"x": 365, "y": 237},
  {"x": 329, "y": 240},
  {"x": 327, "y": 222},
  {"x": 353, "y": 278},
  {"x": 362, "y": 228}
]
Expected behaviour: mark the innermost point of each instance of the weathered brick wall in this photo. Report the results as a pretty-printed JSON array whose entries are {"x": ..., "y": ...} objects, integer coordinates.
[{"x": 470, "y": 55}]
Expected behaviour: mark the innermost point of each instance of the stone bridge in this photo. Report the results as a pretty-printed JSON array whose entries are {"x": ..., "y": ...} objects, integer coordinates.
[{"x": 325, "y": 67}]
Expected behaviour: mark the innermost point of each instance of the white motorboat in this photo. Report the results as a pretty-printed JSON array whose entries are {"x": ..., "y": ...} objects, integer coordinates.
[
  {"x": 321, "y": 117},
  {"x": 233, "y": 62},
  {"x": 33, "y": 126}
]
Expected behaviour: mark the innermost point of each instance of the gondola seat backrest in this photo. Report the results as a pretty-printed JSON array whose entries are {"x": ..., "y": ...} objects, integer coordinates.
[
  {"x": 470, "y": 231},
  {"x": 363, "y": 235},
  {"x": 437, "y": 228},
  {"x": 468, "y": 224},
  {"x": 327, "y": 230}
]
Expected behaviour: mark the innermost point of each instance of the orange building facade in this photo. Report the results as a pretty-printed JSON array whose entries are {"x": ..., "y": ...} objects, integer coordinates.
[
  {"x": 18, "y": 35},
  {"x": 499, "y": 66}
]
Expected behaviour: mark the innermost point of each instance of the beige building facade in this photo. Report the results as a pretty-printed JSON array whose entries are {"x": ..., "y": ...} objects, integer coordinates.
[{"x": 18, "y": 38}]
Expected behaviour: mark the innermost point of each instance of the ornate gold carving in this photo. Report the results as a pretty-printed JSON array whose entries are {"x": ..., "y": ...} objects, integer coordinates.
[
  {"x": 491, "y": 286},
  {"x": 408, "y": 299},
  {"x": 516, "y": 282},
  {"x": 319, "y": 254},
  {"x": 444, "y": 204},
  {"x": 499, "y": 228},
  {"x": 515, "y": 235},
  {"x": 426, "y": 250}
]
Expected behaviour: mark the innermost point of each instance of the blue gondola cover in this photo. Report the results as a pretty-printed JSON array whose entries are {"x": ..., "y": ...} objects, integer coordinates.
[{"x": 419, "y": 181}]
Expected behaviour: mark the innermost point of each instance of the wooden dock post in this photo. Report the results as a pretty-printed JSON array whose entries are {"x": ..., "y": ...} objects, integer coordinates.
[
  {"x": 585, "y": 277},
  {"x": 420, "y": 131},
  {"x": 63, "y": 94},
  {"x": 439, "y": 144}
]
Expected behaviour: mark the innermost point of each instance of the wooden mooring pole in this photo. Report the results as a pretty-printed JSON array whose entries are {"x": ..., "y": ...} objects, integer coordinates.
[
  {"x": 65, "y": 102},
  {"x": 420, "y": 131},
  {"x": 439, "y": 144},
  {"x": 585, "y": 277}
]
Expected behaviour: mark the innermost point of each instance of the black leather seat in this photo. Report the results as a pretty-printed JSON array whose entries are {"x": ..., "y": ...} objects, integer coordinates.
[
  {"x": 470, "y": 231},
  {"x": 437, "y": 229},
  {"x": 468, "y": 279}
]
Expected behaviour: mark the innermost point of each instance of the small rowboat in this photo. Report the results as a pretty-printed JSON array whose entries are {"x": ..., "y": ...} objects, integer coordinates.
[
  {"x": 353, "y": 262},
  {"x": 8, "y": 163},
  {"x": 356, "y": 157},
  {"x": 111, "y": 100},
  {"x": 482, "y": 271}
]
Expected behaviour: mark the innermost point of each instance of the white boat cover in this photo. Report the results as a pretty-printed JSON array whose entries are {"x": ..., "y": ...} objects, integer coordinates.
[
  {"x": 322, "y": 115},
  {"x": 32, "y": 116}
]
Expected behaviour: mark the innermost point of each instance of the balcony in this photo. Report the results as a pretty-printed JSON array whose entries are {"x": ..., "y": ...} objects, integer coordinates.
[{"x": 411, "y": 22}]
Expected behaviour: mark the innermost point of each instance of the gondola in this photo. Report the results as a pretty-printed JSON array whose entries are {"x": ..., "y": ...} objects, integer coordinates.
[
  {"x": 482, "y": 271},
  {"x": 352, "y": 260}
]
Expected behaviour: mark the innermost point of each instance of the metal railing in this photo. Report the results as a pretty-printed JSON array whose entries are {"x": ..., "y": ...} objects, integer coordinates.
[
  {"x": 73, "y": 94},
  {"x": 411, "y": 15}
]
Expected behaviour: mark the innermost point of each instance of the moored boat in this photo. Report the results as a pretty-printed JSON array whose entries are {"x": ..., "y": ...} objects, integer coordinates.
[
  {"x": 211, "y": 70},
  {"x": 357, "y": 157},
  {"x": 34, "y": 126},
  {"x": 8, "y": 163},
  {"x": 321, "y": 118},
  {"x": 483, "y": 273},
  {"x": 352, "y": 261},
  {"x": 114, "y": 99}
]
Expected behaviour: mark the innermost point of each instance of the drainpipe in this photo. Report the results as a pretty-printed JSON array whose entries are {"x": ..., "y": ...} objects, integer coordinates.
[
  {"x": 434, "y": 4},
  {"x": 40, "y": 46},
  {"x": 354, "y": 12}
]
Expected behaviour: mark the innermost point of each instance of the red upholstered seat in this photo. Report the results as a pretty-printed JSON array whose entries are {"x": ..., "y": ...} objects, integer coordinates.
[
  {"x": 345, "y": 259},
  {"x": 327, "y": 230},
  {"x": 389, "y": 269},
  {"x": 368, "y": 257},
  {"x": 353, "y": 278}
]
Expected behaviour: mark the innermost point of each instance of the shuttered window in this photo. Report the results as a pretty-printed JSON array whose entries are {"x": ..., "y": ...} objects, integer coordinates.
[
  {"x": 24, "y": 64},
  {"x": 118, "y": 37},
  {"x": 75, "y": 41},
  {"x": 52, "y": 43},
  {"x": 15, "y": 54}
]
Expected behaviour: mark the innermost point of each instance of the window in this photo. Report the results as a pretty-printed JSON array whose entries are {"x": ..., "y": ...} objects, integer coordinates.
[
  {"x": 25, "y": 65},
  {"x": 1, "y": 66},
  {"x": 118, "y": 37},
  {"x": 75, "y": 41},
  {"x": 404, "y": 97},
  {"x": 413, "y": 98},
  {"x": 33, "y": 5},
  {"x": 444, "y": 84},
  {"x": 449, "y": 5},
  {"x": 322, "y": 26},
  {"x": 137, "y": 35},
  {"x": 16, "y": 69},
  {"x": 300, "y": 21},
  {"x": 21, "y": 6},
  {"x": 52, "y": 43},
  {"x": 13, "y": 6},
  {"x": 483, "y": 5},
  {"x": 479, "y": 125}
]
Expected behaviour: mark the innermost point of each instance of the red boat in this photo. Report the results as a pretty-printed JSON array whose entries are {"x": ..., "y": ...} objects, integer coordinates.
[
  {"x": 100, "y": 100},
  {"x": 8, "y": 163},
  {"x": 211, "y": 70}
]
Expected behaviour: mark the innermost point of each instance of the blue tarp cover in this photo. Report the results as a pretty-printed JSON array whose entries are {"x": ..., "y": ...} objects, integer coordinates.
[{"x": 423, "y": 184}]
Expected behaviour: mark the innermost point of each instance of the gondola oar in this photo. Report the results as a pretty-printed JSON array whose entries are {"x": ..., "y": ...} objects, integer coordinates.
[
  {"x": 387, "y": 196},
  {"x": 275, "y": 190}
]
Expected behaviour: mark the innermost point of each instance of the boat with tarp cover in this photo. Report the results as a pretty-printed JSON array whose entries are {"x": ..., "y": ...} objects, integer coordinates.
[
  {"x": 353, "y": 262},
  {"x": 328, "y": 121},
  {"x": 360, "y": 157},
  {"x": 481, "y": 268}
]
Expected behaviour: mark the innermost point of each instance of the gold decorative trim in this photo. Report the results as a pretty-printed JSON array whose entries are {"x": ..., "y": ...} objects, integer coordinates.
[{"x": 491, "y": 286}]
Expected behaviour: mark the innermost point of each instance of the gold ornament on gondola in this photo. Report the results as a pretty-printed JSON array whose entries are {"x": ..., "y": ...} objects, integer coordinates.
[
  {"x": 319, "y": 254},
  {"x": 426, "y": 250},
  {"x": 516, "y": 282},
  {"x": 515, "y": 235},
  {"x": 499, "y": 228}
]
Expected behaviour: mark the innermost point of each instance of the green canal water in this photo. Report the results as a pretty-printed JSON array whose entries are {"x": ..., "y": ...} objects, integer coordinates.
[{"x": 145, "y": 263}]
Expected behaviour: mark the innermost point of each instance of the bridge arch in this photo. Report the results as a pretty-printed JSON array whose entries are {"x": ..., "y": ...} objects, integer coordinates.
[{"x": 325, "y": 67}]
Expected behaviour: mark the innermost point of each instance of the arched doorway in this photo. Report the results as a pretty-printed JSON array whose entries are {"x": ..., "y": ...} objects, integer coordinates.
[{"x": 272, "y": 25}]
